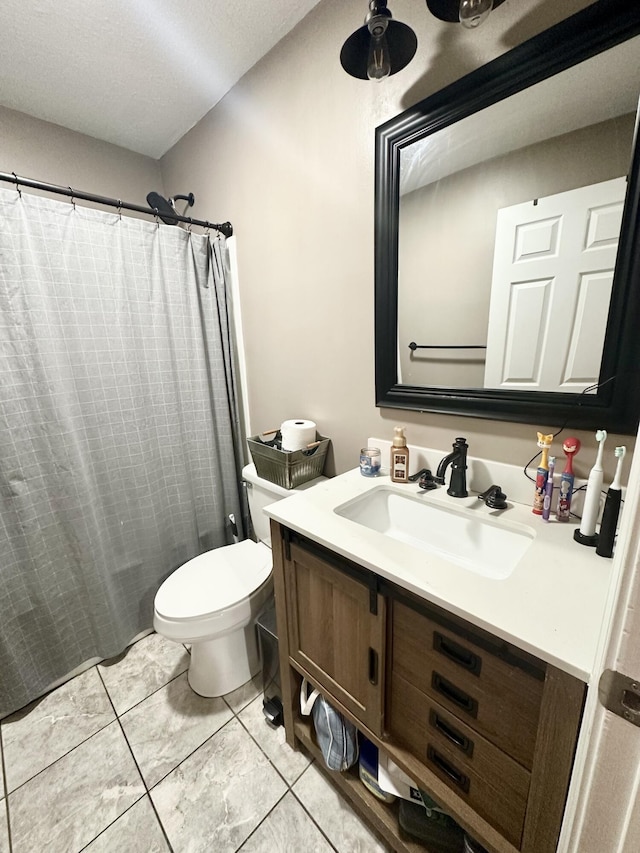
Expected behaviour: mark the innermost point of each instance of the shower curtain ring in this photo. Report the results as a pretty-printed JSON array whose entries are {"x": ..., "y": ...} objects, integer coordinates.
[
  {"x": 17, "y": 184},
  {"x": 190, "y": 224},
  {"x": 73, "y": 201},
  {"x": 155, "y": 216},
  {"x": 120, "y": 209}
]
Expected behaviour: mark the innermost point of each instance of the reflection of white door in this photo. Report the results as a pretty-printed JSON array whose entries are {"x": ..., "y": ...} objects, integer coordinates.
[{"x": 552, "y": 274}]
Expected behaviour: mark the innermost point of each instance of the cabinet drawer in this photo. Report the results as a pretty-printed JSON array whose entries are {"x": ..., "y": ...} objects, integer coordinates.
[
  {"x": 491, "y": 782},
  {"x": 491, "y": 695}
]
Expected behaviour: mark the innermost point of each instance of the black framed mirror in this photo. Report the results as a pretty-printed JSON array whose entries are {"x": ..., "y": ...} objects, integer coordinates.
[{"x": 472, "y": 261}]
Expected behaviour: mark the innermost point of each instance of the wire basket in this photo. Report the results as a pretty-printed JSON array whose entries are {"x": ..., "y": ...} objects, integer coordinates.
[{"x": 288, "y": 469}]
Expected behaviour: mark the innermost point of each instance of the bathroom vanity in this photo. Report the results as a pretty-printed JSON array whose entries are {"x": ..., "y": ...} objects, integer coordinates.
[{"x": 472, "y": 681}]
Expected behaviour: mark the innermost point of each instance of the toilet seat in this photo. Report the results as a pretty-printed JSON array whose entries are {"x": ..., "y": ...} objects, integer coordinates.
[{"x": 213, "y": 593}]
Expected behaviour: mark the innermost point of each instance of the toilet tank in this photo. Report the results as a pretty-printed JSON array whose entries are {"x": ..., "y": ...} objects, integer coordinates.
[{"x": 261, "y": 493}]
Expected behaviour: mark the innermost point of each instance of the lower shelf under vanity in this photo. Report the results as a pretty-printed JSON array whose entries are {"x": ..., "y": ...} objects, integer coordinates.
[{"x": 382, "y": 817}]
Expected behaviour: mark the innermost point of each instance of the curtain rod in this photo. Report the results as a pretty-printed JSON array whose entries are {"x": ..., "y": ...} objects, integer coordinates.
[{"x": 224, "y": 228}]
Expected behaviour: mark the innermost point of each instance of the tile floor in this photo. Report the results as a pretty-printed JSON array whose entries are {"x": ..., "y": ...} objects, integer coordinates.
[{"x": 125, "y": 758}]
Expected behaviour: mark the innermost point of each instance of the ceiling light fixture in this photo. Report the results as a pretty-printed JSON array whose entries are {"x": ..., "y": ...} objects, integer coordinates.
[
  {"x": 380, "y": 48},
  {"x": 383, "y": 46}
]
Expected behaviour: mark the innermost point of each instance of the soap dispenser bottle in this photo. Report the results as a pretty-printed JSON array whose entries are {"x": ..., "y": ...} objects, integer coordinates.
[{"x": 399, "y": 457}]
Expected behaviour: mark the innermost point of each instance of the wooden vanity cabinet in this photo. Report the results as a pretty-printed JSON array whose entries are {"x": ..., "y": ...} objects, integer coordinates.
[
  {"x": 486, "y": 729},
  {"x": 337, "y": 625}
]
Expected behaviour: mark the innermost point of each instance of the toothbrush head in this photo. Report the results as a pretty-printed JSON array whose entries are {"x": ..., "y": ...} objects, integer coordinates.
[
  {"x": 571, "y": 445},
  {"x": 620, "y": 452},
  {"x": 601, "y": 435}
]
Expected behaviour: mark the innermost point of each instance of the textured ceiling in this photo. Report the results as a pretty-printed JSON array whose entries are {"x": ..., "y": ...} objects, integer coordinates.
[{"x": 138, "y": 73}]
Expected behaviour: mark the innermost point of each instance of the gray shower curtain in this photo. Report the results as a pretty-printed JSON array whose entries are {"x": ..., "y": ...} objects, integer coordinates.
[{"x": 119, "y": 438}]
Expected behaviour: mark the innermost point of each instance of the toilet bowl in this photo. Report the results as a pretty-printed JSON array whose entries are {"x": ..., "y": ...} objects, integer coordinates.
[{"x": 212, "y": 600}]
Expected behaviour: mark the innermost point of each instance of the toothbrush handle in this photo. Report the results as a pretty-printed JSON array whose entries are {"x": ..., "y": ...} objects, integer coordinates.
[
  {"x": 591, "y": 504},
  {"x": 564, "y": 497},
  {"x": 607, "y": 533}
]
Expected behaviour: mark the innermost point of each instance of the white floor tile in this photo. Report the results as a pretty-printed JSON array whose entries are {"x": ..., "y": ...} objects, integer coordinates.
[
  {"x": 219, "y": 795},
  {"x": 44, "y": 731},
  {"x": 69, "y": 803},
  {"x": 287, "y": 828},
  {"x": 169, "y": 725},
  {"x": 137, "y": 831},
  {"x": 334, "y": 815},
  {"x": 146, "y": 666},
  {"x": 272, "y": 741},
  {"x": 216, "y": 782},
  {"x": 4, "y": 827},
  {"x": 241, "y": 697}
]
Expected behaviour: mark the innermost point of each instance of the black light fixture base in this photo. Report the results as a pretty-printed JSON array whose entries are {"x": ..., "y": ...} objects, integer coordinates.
[
  {"x": 449, "y": 10},
  {"x": 402, "y": 41}
]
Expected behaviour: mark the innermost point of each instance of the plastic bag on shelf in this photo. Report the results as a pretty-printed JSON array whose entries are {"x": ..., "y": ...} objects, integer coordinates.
[{"x": 337, "y": 736}]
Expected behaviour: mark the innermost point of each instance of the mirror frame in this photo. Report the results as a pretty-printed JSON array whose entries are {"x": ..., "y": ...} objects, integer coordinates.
[{"x": 616, "y": 405}]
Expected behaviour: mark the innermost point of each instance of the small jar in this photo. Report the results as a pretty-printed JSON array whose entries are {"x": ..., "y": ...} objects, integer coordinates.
[{"x": 370, "y": 461}]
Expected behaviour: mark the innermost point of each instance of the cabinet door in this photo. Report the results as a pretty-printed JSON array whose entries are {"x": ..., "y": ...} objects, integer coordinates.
[{"x": 334, "y": 636}]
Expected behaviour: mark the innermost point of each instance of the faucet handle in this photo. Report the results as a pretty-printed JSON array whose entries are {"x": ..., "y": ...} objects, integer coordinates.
[
  {"x": 427, "y": 481},
  {"x": 425, "y": 478},
  {"x": 421, "y": 473},
  {"x": 494, "y": 497}
]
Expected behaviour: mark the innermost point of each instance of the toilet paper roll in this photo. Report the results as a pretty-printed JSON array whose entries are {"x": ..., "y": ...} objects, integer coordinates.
[{"x": 296, "y": 434}]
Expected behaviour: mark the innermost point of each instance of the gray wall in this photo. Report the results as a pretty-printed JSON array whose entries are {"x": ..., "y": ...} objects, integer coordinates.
[
  {"x": 288, "y": 157},
  {"x": 46, "y": 152}
]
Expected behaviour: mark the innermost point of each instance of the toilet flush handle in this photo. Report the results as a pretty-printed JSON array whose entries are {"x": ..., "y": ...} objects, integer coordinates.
[{"x": 234, "y": 527}]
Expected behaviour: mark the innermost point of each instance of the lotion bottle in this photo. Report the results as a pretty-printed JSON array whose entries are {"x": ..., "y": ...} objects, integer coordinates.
[{"x": 399, "y": 470}]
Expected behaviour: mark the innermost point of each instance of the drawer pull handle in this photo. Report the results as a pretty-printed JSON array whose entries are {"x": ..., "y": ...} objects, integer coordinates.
[
  {"x": 459, "y": 698},
  {"x": 373, "y": 666},
  {"x": 457, "y": 653},
  {"x": 448, "y": 769},
  {"x": 461, "y": 741}
]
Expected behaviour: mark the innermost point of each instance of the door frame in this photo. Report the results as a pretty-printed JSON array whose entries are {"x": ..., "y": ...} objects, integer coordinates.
[{"x": 609, "y": 748}]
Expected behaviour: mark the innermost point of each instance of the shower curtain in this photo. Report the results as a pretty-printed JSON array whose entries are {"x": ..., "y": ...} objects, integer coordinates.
[{"x": 119, "y": 431}]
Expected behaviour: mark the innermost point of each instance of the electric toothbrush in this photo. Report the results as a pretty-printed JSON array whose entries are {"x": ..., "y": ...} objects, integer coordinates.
[
  {"x": 544, "y": 442},
  {"x": 570, "y": 446},
  {"x": 586, "y": 534},
  {"x": 611, "y": 510},
  {"x": 548, "y": 489}
]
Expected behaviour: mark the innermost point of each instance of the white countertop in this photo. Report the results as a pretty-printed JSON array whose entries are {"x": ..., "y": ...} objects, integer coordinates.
[{"x": 551, "y": 605}]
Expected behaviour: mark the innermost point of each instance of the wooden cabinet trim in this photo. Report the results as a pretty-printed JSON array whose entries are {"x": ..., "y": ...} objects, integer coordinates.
[
  {"x": 364, "y": 576},
  {"x": 560, "y": 717},
  {"x": 289, "y": 683}
]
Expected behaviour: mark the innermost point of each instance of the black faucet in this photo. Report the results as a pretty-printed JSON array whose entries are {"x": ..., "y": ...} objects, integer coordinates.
[{"x": 458, "y": 461}]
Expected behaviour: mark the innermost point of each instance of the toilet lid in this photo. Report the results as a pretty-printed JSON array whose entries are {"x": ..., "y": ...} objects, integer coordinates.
[{"x": 214, "y": 581}]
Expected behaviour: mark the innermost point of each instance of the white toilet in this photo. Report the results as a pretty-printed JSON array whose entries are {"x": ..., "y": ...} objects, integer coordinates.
[{"x": 212, "y": 600}]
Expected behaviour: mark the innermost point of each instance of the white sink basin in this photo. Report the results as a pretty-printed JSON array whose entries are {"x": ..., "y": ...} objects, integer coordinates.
[{"x": 470, "y": 538}]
